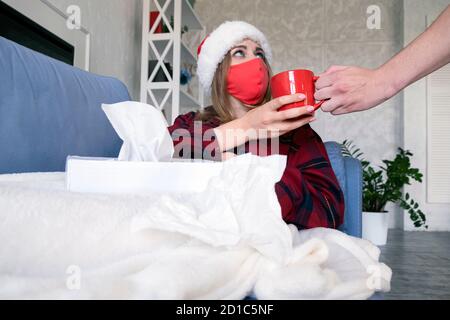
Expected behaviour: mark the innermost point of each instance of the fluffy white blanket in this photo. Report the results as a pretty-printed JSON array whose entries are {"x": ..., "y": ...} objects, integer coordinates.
[{"x": 225, "y": 243}]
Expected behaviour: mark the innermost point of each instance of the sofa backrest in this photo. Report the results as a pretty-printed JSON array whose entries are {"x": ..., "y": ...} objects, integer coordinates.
[{"x": 49, "y": 110}]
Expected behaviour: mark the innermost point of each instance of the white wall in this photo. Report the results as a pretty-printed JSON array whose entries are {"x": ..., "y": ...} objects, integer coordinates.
[
  {"x": 115, "y": 34},
  {"x": 418, "y": 112}
]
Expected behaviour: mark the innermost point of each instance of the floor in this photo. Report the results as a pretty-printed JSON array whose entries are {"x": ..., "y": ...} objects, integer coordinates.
[{"x": 420, "y": 263}]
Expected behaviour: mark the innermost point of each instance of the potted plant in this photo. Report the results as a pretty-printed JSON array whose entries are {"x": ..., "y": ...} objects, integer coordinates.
[{"x": 384, "y": 185}]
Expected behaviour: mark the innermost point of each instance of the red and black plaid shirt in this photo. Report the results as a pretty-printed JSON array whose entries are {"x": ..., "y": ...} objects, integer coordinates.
[{"x": 308, "y": 192}]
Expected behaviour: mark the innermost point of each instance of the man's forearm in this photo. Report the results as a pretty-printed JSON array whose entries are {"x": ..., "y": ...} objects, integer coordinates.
[{"x": 427, "y": 53}]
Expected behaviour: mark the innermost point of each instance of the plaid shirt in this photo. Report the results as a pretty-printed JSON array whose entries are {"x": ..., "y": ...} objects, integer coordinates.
[{"x": 308, "y": 192}]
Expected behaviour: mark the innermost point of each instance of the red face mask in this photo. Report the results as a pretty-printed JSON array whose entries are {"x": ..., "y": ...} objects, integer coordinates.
[{"x": 248, "y": 81}]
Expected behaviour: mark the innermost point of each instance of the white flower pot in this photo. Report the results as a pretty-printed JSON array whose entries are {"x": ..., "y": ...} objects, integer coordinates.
[{"x": 375, "y": 227}]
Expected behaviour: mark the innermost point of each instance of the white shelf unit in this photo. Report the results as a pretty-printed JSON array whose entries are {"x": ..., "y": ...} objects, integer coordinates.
[{"x": 169, "y": 96}]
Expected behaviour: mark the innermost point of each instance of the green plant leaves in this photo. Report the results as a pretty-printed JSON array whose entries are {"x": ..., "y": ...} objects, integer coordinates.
[{"x": 386, "y": 185}]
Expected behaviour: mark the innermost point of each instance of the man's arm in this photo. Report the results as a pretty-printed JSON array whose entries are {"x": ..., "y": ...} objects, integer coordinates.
[
  {"x": 427, "y": 53},
  {"x": 351, "y": 89}
]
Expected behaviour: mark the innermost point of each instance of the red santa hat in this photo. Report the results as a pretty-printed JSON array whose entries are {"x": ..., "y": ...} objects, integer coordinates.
[{"x": 215, "y": 46}]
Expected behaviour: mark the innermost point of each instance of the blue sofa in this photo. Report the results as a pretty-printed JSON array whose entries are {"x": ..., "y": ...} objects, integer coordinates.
[{"x": 49, "y": 110}]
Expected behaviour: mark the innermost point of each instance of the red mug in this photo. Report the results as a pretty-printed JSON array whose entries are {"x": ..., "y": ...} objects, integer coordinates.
[{"x": 292, "y": 82}]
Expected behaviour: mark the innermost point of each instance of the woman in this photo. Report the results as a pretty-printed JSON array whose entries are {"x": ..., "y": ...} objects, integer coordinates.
[{"x": 233, "y": 66}]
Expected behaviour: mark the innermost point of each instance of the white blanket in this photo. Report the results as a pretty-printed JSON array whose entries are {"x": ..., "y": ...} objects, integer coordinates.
[{"x": 221, "y": 244}]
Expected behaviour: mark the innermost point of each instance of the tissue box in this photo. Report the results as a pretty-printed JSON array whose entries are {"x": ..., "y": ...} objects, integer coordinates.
[{"x": 108, "y": 175}]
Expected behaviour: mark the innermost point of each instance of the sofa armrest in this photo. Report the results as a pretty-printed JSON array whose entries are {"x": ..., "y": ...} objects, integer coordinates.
[
  {"x": 353, "y": 220},
  {"x": 349, "y": 174}
]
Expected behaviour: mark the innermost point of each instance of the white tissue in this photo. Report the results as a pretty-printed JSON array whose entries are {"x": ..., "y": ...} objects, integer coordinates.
[{"x": 143, "y": 129}]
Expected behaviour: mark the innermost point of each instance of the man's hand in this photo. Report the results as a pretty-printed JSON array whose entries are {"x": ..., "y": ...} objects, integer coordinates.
[{"x": 351, "y": 89}]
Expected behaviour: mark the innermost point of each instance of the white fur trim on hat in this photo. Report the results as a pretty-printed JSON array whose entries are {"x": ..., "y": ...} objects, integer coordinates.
[{"x": 220, "y": 41}]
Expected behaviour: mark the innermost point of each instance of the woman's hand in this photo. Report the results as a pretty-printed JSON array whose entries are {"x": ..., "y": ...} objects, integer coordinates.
[
  {"x": 264, "y": 122},
  {"x": 271, "y": 123}
]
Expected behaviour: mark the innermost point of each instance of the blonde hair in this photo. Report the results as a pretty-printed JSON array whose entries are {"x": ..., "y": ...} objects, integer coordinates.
[{"x": 221, "y": 108}]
